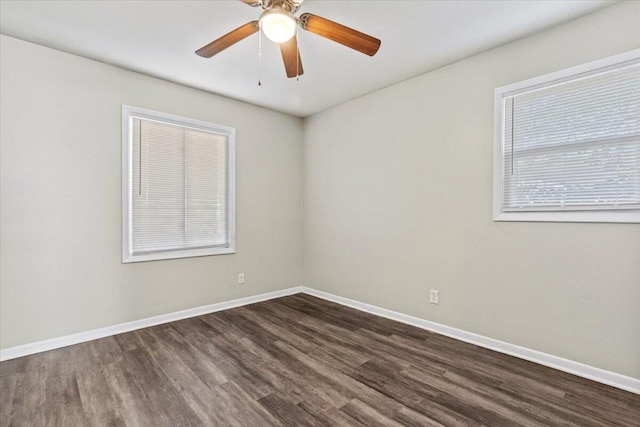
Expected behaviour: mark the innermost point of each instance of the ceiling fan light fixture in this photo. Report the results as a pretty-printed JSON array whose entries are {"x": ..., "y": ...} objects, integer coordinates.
[{"x": 278, "y": 24}]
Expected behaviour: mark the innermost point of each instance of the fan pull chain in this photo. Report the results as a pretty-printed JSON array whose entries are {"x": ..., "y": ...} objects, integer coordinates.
[{"x": 259, "y": 58}]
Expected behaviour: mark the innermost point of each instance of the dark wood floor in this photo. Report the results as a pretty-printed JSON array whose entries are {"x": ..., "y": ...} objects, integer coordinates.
[{"x": 296, "y": 361}]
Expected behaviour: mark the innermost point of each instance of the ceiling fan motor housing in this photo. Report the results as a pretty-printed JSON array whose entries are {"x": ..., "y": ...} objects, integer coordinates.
[{"x": 290, "y": 5}]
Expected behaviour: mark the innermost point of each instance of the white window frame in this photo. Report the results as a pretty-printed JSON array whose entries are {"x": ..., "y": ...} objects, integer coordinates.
[
  {"x": 621, "y": 216},
  {"x": 128, "y": 113}
]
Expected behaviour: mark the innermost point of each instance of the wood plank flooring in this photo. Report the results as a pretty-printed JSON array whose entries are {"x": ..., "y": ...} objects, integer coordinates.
[{"x": 296, "y": 361}]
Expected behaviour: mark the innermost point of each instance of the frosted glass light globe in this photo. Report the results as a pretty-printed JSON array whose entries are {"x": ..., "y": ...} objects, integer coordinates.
[{"x": 278, "y": 24}]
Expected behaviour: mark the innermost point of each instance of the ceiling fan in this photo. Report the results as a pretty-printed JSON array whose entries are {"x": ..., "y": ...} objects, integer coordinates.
[{"x": 279, "y": 24}]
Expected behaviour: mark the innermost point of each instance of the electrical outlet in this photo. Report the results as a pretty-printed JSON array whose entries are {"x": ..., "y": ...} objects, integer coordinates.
[
  {"x": 434, "y": 296},
  {"x": 240, "y": 278}
]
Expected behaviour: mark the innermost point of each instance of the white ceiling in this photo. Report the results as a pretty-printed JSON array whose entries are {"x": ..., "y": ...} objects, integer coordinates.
[{"x": 159, "y": 38}]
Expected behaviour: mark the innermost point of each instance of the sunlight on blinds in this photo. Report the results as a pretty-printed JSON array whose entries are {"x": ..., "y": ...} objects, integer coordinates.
[
  {"x": 180, "y": 194},
  {"x": 574, "y": 145}
]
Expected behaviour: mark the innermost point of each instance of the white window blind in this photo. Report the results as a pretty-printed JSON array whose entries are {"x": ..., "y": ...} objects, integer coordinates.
[
  {"x": 573, "y": 144},
  {"x": 180, "y": 190}
]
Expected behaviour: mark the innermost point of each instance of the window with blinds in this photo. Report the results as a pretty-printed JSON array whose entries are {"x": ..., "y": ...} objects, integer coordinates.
[
  {"x": 179, "y": 187},
  {"x": 569, "y": 145}
]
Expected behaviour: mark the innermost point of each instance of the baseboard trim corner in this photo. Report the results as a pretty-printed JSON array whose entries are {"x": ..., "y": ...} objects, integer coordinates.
[
  {"x": 53, "y": 343},
  {"x": 576, "y": 368}
]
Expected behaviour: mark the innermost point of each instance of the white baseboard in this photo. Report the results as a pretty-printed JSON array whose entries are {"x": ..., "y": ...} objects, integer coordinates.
[
  {"x": 592, "y": 373},
  {"x": 596, "y": 374},
  {"x": 53, "y": 343}
]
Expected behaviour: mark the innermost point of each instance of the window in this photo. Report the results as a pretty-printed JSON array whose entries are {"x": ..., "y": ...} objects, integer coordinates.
[
  {"x": 567, "y": 145},
  {"x": 178, "y": 187}
]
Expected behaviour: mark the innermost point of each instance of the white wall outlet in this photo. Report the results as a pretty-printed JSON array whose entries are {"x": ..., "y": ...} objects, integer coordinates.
[
  {"x": 240, "y": 278},
  {"x": 434, "y": 296}
]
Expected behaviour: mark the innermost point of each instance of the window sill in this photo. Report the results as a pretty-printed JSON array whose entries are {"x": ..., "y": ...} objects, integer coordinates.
[
  {"x": 188, "y": 253},
  {"x": 628, "y": 216}
]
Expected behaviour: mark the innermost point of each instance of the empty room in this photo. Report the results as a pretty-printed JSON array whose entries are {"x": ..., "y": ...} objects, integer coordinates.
[{"x": 320, "y": 213}]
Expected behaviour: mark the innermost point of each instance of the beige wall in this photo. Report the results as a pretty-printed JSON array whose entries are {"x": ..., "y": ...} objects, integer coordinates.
[
  {"x": 61, "y": 268},
  {"x": 398, "y": 200}
]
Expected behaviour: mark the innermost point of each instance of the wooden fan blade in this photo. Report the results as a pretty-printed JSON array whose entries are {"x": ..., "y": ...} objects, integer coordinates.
[
  {"x": 228, "y": 39},
  {"x": 252, "y": 3},
  {"x": 339, "y": 33},
  {"x": 291, "y": 57}
]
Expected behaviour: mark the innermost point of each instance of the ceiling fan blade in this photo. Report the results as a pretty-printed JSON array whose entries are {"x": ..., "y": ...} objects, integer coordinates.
[
  {"x": 291, "y": 57},
  {"x": 228, "y": 39},
  {"x": 339, "y": 33},
  {"x": 252, "y": 3}
]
